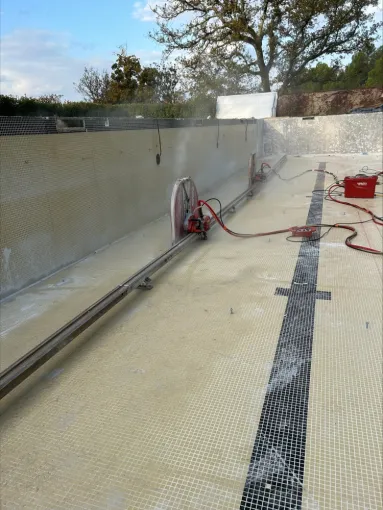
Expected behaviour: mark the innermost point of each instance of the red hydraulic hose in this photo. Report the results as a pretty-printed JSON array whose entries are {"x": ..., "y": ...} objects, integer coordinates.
[
  {"x": 261, "y": 234},
  {"x": 357, "y": 246},
  {"x": 348, "y": 240},
  {"x": 236, "y": 234},
  {"x": 374, "y": 219}
]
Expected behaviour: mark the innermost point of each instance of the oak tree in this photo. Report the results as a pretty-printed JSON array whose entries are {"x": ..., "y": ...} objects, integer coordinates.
[{"x": 271, "y": 39}]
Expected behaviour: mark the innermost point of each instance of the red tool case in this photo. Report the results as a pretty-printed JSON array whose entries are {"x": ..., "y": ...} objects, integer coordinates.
[{"x": 360, "y": 187}]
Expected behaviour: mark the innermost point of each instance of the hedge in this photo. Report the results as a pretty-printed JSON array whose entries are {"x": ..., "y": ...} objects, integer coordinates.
[{"x": 26, "y": 106}]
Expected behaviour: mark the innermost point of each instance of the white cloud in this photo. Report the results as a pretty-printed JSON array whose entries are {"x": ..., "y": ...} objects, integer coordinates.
[
  {"x": 148, "y": 56},
  {"x": 143, "y": 11},
  {"x": 36, "y": 62}
]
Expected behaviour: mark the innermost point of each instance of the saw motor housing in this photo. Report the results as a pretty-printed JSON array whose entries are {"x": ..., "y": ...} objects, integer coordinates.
[{"x": 197, "y": 223}]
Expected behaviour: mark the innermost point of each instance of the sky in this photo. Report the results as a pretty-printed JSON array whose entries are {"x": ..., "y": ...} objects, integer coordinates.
[{"x": 45, "y": 44}]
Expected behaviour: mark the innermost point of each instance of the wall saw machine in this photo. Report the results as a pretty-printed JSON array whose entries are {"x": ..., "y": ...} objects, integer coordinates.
[
  {"x": 188, "y": 214},
  {"x": 186, "y": 211}
]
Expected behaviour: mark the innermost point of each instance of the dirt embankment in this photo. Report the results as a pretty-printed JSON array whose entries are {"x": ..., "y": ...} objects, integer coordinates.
[{"x": 333, "y": 102}]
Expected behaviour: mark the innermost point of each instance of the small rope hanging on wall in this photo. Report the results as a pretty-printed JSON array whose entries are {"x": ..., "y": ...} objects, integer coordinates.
[{"x": 158, "y": 155}]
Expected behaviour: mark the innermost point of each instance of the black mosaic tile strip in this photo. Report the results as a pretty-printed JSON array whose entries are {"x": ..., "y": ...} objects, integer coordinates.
[
  {"x": 275, "y": 476},
  {"x": 282, "y": 291},
  {"x": 321, "y": 294}
]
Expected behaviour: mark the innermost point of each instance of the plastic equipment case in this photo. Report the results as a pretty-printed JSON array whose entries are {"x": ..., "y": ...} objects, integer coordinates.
[{"x": 360, "y": 187}]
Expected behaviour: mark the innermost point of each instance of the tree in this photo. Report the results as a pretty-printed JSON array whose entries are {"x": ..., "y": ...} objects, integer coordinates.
[
  {"x": 130, "y": 82},
  {"x": 315, "y": 79},
  {"x": 168, "y": 83},
  {"x": 147, "y": 85},
  {"x": 356, "y": 73},
  {"x": 125, "y": 77},
  {"x": 375, "y": 76},
  {"x": 94, "y": 85},
  {"x": 268, "y": 38},
  {"x": 50, "y": 98},
  {"x": 211, "y": 78}
]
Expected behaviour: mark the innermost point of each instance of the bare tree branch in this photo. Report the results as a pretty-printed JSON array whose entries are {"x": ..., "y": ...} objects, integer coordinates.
[{"x": 93, "y": 85}]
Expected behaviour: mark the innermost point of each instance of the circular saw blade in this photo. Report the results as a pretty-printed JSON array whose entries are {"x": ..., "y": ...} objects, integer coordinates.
[
  {"x": 184, "y": 201},
  {"x": 251, "y": 170}
]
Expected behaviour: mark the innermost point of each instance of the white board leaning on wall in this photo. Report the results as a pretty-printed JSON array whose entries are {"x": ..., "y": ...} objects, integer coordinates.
[{"x": 247, "y": 106}]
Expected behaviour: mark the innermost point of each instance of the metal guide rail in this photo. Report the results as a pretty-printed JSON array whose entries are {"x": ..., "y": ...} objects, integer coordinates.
[{"x": 16, "y": 373}]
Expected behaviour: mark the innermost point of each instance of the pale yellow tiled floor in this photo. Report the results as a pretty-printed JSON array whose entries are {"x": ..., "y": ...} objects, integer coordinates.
[
  {"x": 33, "y": 314},
  {"x": 157, "y": 405}
]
